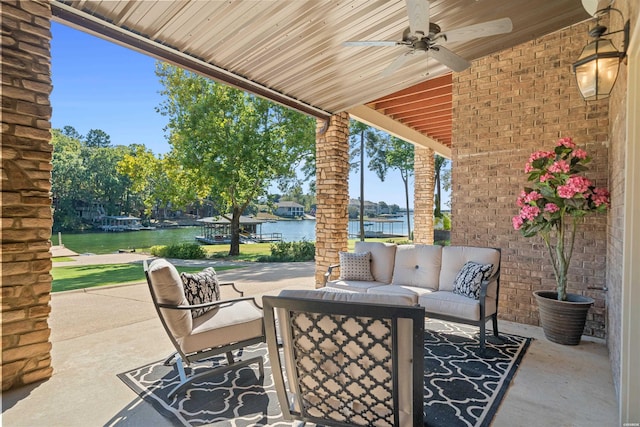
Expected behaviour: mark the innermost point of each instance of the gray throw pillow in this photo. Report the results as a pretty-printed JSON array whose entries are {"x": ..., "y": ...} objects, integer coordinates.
[
  {"x": 469, "y": 279},
  {"x": 355, "y": 266},
  {"x": 200, "y": 288}
]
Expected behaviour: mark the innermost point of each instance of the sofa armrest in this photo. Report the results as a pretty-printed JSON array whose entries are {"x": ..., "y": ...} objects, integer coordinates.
[
  {"x": 327, "y": 275},
  {"x": 484, "y": 286}
]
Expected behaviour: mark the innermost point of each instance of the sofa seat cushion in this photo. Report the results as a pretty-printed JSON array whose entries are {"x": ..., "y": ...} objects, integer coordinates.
[
  {"x": 354, "y": 285},
  {"x": 226, "y": 324},
  {"x": 418, "y": 266},
  {"x": 382, "y": 259},
  {"x": 450, "y": 304},
  {"x": 412, "y": 292}
]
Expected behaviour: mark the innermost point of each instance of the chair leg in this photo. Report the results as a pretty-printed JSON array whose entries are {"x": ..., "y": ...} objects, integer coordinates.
[
  {"x": 170, "y": 359},
  {"x": 495, "y": 325},
  {"x": 230, "y": 359},
  {"x": 180, "y": 368},
  {"x": 184, "y": 381},
  {"x": 483, "y": 333}
]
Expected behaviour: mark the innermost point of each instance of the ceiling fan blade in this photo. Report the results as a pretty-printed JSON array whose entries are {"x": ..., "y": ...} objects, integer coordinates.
[
  {"x": 418, "y": 11},
  {"x": 372, "y": 43},
  {"x": 448, "y": 58},
  {"x": 484, "y": 29},
  {"x": 396, "y": 64}
]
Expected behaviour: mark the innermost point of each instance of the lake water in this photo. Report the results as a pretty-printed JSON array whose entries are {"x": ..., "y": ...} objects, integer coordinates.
[{"x": 292, "y": 231}]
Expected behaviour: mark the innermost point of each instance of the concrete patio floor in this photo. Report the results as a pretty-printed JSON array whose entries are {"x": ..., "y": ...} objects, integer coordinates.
[{"x": 100, "y": 332}]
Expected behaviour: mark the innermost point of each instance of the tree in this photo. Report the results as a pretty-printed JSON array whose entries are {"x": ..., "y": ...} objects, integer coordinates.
[
  {"x": 228, "y": 144},
  {"x": 362, "y": 138},
  {"x": 394, "y": 153},
  {"x": 67, "y": 181},
  {"x": 71, "y": 132},
  {"x": 97, "y": 138},
  {"x": 157, "y": 180},
  {"x": 440, "y": 164}
]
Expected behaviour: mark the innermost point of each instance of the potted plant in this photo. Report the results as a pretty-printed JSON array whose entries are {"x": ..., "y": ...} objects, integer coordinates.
[{"x": 558, "y": 197}]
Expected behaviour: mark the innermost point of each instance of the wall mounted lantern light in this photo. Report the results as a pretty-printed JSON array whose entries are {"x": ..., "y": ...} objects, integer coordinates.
[{"x": 597, "y": 67}]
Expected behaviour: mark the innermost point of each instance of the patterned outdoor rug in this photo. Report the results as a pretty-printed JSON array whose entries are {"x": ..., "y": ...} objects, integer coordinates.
[{"x": 461, "y": 389}]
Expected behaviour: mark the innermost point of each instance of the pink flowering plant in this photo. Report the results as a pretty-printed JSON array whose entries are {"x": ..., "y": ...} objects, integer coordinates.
[{"x": 558, "y": 197}]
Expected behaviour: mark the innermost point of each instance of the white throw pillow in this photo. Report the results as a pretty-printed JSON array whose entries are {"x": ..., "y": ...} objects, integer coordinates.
[
  {"x": 355, "y": 266},
  {"x": 470, "y": 277}
]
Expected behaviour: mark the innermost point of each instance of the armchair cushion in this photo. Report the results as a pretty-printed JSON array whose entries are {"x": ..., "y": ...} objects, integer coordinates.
[
  {"x": 200, "y": 288},
  {"x": 227, "y": 323},
  {"x": 168, "y": 288},
  {"x": 355, "y": 266},
  {"x": 470, "y": 277}
]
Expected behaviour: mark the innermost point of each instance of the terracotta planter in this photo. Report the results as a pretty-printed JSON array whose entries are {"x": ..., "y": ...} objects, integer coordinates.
[{"x": 563, "y": 321}]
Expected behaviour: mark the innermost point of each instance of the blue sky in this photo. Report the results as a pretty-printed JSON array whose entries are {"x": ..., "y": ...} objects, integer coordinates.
[{"x": 101, "y": 85}]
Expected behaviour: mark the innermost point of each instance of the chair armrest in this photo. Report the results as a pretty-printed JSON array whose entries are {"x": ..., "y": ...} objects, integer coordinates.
[
  {"x": 327, "y": 275},
  {"x": 209, "y": 304},
  {"x": 233, "y": 285}
]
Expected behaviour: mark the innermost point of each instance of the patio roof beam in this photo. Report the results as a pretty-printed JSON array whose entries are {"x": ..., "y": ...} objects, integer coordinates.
[
  {"x": 378, "y": 120},
  {"x": 75, "y": 18}
]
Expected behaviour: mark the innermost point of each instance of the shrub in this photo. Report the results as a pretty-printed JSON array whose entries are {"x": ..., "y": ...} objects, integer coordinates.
[
  {"x": 303, "y": 251},
  {"x": 291, "y": 251},
  {"x": 446, "y": 222},
  {"x": 179, "y": 250},
  {"x": 280, "y": 251}
]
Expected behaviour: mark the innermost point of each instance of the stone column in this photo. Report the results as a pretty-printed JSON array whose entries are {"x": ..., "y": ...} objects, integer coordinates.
[
  {"x": 332, "y": 191},
  {"x": 26, "y": 185},
  {"x": 424, "y": 169}
]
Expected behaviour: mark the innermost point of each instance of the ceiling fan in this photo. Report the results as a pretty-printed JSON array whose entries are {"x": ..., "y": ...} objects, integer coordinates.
[{"x": 424, "y": 37}]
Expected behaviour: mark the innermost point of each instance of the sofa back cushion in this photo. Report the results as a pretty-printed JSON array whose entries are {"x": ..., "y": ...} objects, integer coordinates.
[
  {"x": 382, "y": 259},
  {"x": 455, "y": 257},
  {"x": 417, "y": 265}
]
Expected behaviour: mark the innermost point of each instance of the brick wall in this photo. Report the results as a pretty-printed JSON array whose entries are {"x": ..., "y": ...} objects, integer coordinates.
[
  {"x": 26, "y": 205},
  {"x": 506, "y": 106},
  {"x": 332, "y": 191},
  {"x": 615, "y": 229},
  {"x": 423, "y": 166}
]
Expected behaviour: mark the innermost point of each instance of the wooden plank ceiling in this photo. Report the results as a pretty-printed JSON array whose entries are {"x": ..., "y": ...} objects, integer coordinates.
[
  {"x": 292, "y": 51},
  {"x": 425, "y": 107}
]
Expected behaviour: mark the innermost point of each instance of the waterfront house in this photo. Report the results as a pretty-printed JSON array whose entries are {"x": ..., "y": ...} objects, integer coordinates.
[{"x": 288, "y": 209}]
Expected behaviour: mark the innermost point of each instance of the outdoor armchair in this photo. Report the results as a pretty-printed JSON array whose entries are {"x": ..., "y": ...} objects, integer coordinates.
[
  {"x": 228, "y": 325},
  {"x": 349, "y": 359}
]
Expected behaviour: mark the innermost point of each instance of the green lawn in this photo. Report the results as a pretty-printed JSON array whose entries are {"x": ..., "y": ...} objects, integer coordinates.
[
  {"x": 251, "y": 252},
  {"x": 90, "y": 276}
]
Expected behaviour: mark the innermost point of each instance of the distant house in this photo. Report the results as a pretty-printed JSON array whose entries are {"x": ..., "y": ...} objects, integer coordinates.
[{"x": 289, "y": 210}]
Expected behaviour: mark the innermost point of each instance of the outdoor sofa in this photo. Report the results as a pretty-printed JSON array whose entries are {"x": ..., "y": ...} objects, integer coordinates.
[{"x": 454, "y": 283}]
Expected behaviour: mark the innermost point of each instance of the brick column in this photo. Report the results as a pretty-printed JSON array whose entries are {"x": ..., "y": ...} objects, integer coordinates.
[
  {"x": 26, "y": 204},
  {"x": 332, "y": 191},
  {"x": 424, "y": 169}
]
